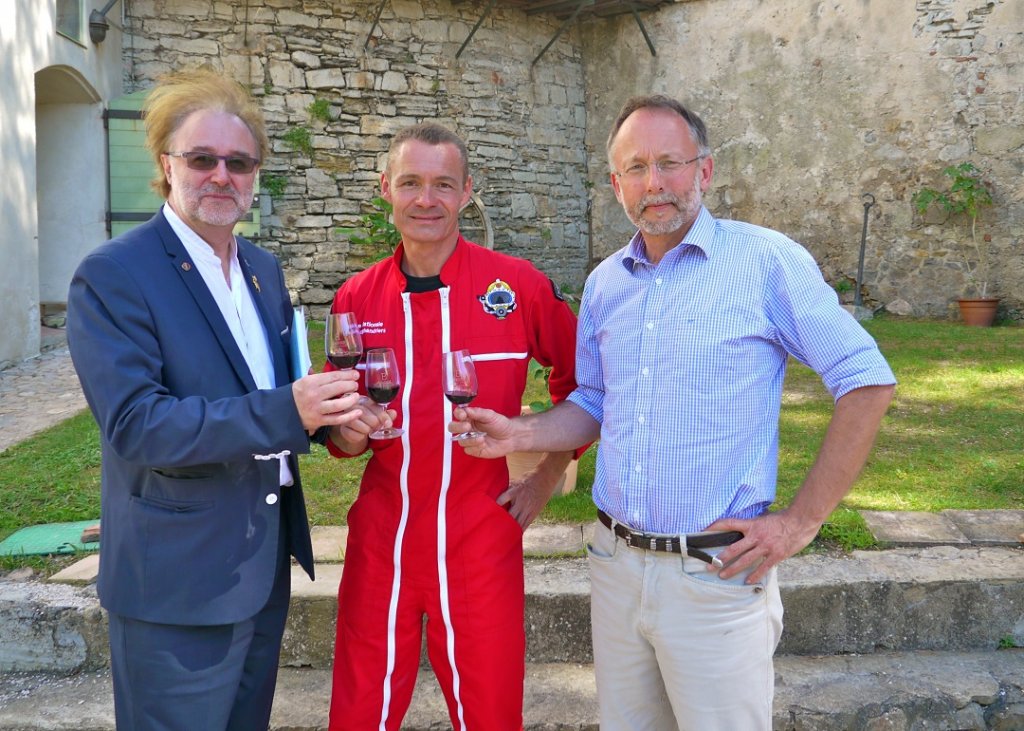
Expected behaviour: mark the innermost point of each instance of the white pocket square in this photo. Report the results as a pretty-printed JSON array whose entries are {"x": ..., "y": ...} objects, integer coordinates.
[{"x": 274, "y": 455}]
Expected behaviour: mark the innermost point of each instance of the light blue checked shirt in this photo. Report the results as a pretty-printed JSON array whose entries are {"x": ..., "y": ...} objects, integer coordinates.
[{"x": 682, "y": 364}]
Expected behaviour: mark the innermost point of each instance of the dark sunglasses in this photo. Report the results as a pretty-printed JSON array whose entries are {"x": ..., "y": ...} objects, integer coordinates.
[{"x": 205, "y": 162}]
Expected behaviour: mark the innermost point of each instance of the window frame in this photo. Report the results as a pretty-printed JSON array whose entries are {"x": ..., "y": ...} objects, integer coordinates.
[{"x": 74, "y": 11}]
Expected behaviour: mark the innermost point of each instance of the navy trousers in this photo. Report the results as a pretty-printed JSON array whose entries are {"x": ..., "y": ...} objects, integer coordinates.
[{"x": 199, "y": 678}]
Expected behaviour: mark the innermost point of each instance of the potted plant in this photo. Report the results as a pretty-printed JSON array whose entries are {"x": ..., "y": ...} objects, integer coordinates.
[{"x": 966, "y": 195}]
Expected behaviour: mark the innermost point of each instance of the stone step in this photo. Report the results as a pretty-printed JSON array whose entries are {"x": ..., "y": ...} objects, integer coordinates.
[
  {"x": 896, "y": 691},
  {"x": 941, "y": 598}
]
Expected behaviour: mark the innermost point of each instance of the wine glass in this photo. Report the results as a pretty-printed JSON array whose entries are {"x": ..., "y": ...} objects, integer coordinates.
[
  {"x": 460, "y": 383},
  {"x": 382, "y": 383},
  {"x": 343, "y": 343}
]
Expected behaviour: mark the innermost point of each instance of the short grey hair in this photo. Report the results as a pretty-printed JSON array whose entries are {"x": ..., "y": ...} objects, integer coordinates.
[
  {"x": 432, "y": 134},
  {"x": 698, "y": 131}
]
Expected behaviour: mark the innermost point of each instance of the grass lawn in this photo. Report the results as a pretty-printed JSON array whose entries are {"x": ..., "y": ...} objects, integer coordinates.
[{"x": 952, "y": 439}]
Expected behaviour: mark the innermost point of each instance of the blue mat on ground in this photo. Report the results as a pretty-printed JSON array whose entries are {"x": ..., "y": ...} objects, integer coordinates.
[{"x": 37, "y": 540}]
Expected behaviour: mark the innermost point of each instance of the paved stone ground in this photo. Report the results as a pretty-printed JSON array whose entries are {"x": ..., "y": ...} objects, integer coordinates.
[{"x": 38, "y": 393}]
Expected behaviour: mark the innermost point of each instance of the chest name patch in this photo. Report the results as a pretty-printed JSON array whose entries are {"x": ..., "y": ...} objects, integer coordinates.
[{"x": 372, "y": 328}]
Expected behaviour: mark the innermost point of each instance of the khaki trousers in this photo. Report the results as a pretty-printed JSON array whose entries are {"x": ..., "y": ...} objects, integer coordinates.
[{"x": 675, "y": 647}]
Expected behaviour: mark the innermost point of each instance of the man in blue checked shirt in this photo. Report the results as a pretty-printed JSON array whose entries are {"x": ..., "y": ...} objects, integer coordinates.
[{"x": 683, "y": 340}]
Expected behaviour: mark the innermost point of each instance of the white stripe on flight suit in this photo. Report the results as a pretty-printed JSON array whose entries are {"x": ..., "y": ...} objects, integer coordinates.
[
  {"x": 481, "y": 357},
  {"x": 403, "y": 482},
  {"x": 442, "y": 523}
]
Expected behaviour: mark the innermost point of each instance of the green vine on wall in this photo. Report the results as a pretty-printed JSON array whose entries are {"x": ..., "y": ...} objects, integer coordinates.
[
  {"x": 299, "y": 138},
  {"x": 376, "y": 232},
  {"x": 967, "y": 194},
  {"x": 320, "y": 109},
  {"x": 273, "y": 184}
]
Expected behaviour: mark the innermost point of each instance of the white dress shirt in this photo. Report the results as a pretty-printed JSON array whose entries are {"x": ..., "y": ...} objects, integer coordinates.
[{"x": 236, "y": 305}]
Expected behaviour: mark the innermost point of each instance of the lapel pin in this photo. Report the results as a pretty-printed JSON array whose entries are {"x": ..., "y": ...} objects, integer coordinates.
[{"x": 255, "y": 282}]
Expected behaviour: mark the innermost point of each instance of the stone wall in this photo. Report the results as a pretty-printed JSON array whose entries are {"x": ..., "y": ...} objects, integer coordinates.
[
  {"x": 810, "y": 104},
  {"x": 524, "y": 124}
]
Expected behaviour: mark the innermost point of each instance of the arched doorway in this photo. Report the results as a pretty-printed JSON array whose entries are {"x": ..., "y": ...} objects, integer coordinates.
[{"x": 71, "y": 172}]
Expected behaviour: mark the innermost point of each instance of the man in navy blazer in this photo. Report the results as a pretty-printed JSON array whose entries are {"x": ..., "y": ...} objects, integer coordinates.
[{"x": 180, "y": 334}]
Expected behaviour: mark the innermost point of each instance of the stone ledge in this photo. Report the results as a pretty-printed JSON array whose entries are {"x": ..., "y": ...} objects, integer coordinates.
[
  {"x": 949, "y": 527},
  {"x": 973, "y": 690}
]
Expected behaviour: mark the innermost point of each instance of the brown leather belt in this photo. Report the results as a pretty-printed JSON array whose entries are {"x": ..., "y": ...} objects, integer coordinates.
[{"x": 672, "y": 544}]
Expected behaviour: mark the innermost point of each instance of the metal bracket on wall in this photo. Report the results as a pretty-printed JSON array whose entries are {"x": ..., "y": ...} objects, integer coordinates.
[
  {"x": 558, "y": 8},
  {"x": 565, "y": 24},
  {"x": 483, "y": 17},
  {"x": 636, "y": 16},
  {"x": 376, "y": 22}
]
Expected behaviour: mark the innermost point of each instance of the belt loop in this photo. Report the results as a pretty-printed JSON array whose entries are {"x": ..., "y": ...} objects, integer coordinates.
[{"x": 611, "y": 526}]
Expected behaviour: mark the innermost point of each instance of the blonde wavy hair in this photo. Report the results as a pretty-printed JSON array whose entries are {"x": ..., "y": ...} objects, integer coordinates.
[{"x": 179, "y": 94}]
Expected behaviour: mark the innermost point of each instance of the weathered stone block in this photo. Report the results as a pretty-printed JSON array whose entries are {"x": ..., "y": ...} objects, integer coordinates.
[
  {"x": 196, "y": 47},
  {"x": 395, "y": 82},
  {"x": 291, "y": 18},
  {"x": 407, "y": 9},
  {"x": 319, "y": 184},
  {"x": 306, "y": 60},
  {"x": 325, "y": 78},
  {"x": 312, "y": 221},
  {"x": 999, "y": 140},
  {"x": 286, "y": 75},
  {"x": 361, "y": 79},
  {"x": 295, "y": 279},
  {"x": 523, "y": 206}
]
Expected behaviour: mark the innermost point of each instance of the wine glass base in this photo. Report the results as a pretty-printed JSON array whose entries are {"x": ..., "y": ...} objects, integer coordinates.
[
  {"x": 467, "y": 435},
  {"x": 389, "y": 433}
]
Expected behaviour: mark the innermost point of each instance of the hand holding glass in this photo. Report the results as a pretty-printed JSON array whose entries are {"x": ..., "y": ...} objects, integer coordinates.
[
  {"x": 382, "y": 384},
  {"x": 343, "y": 344},
  {"x": 460, "y": 383}
]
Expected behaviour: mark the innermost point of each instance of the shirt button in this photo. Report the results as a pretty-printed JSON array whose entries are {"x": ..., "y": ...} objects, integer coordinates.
[
  {"x": 271, "y": 499},
  {"x": 637, "y": 468},
  {"x": 640, "y": 419},
  {"x": 644, "y": 371},
  {"x": 658, "y": 280}
]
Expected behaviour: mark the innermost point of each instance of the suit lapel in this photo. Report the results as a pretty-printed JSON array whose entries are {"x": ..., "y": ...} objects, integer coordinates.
[
  {"x": 204, "y": 300},
  {"x": 256, "y": 281}
]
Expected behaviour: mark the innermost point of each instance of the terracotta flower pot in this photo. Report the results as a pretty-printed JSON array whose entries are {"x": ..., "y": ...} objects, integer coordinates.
[{"x": 980, "y": 312}]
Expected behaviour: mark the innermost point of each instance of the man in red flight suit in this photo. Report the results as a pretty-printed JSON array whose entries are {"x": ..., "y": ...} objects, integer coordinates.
[{"x": 435, "y": 532}]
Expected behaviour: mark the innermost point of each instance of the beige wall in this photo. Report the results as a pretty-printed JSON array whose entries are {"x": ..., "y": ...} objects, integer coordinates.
[
  {"x": 39, "y": 245},
  {"x": 810, "y": 104}
]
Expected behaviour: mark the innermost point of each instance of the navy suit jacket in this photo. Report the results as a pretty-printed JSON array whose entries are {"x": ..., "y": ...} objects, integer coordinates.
[{"x": 190, "y": 519}]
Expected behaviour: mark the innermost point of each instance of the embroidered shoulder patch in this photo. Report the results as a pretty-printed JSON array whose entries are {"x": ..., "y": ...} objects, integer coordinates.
[{"x": 499, "y": 299}]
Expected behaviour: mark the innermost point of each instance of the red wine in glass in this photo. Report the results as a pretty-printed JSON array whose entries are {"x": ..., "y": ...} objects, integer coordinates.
[
  {"x": 344, "y": 361},
  {"x": 460, "y": 398},
  {"x": 343, "y": 343},
  {"x": 383, "y": 394},
  {"x": 382, "y": 384},
  {"x": 458, "y": 374}
]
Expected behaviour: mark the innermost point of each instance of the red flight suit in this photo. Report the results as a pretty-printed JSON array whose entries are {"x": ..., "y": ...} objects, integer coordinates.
[{"x": 426, "y": 535}]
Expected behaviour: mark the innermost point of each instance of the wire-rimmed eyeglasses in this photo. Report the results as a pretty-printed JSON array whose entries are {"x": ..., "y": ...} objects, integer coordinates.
[{"x": 667, "y": 167}]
